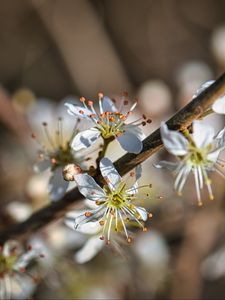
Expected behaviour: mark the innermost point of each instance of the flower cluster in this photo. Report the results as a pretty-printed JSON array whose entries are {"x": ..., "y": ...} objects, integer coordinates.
[
  {"x": 109, "y": 123},
  {"x": 17, "y": 277},
  {"x": 115, "y": 202},
  {"x": 112, "y": 203}
]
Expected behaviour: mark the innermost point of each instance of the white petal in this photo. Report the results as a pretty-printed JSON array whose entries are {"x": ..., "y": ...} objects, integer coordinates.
[
  {"x": 138, "y": 172},
  {"x": 42, "y": 165},
  {"x": 108, "y": 105},
  {"x": 88, "y": 187},
  {"x": 219, "y": 105},
  {"x": 171, "y": 166},
  {"x": 142, "y": 212},
  {"x": 109, "y": 173},
  {"x": 26, "y": 258},
  {"x": 220, "y": 138},
  {"x": 78, "y": 111},
  {"x": 85, "y": 139},
  {"x": 57, "y": 185},
  {"x": 89, "y": 250},
  {"x": 86, "y": 228},
  {"x": 135, "y": 130},
  {"x": 203, "y": 134},
  {"x": 173, "y": 141},
  {"x": 9, "y": 246},
  {"x": 213, "y": 156},
  {"x": 130, "y": 142},
  {"x": 204, "y": 86},
  {"x": 90, "y": 204}
]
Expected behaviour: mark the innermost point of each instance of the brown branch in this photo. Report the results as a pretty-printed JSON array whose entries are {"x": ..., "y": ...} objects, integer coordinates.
[{"x": 151, "y": 144}]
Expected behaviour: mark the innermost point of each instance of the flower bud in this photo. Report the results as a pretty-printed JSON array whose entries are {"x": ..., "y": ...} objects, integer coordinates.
[{"x": 70, "y": 170}]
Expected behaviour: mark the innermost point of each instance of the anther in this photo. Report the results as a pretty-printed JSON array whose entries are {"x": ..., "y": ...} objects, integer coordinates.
[
  {"x": 82, "y": 99},
  {"x": 100, "y": 95},
  {"x": 108, "y": 242},
  {"x": 125, "y": 102},
  {"x": 143, "y": 123},
  {"x": 149, "y": 121},
  {"x": 145, "y": 229},
  {"x": 45, "y": 124},
  {"x": 33, "y": 136},
  {"x": 90, "y": 103},
  {"x": 102, "y": 222},
  {"x": 102, "y": 238},
  {"x": 144, "y": 117},
  {"x": 132, "y": 174},
  {"x": 129, "y": 240},
  {"x": 81, "y": 112},
  {"x": 87, "y": 214},
  {"x": 150, "y": 215}
]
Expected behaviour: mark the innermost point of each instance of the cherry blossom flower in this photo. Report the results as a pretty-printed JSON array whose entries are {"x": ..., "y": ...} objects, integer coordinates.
[
  {"x": 17, "y": 277},
  {"x": 109, "y": 124},
  {"x": 219, "y": 105},
  {"x": 113, "y": 203},
  {"x": 54, "y": 155},
  {"x": 197, "y": 153}
]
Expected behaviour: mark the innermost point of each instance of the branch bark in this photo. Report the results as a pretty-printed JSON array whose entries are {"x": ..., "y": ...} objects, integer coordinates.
[{"x": 151, "y": 145}]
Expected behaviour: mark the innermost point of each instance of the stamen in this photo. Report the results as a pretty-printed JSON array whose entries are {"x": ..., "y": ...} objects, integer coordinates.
[{"x": 82, "y": 99}]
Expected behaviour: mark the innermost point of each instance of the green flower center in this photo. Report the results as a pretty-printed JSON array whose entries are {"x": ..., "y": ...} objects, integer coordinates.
[
  {"x": 62, "y": 156},
  {"x": 7, "y": 263},
  {"x": 199, "y": 156}
]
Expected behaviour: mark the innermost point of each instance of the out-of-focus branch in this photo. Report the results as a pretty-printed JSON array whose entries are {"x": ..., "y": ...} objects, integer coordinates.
[{"x": 151, "y": 144}]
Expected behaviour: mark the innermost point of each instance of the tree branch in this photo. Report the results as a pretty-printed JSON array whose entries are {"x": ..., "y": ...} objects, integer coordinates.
[{"x": 151, "y": 144}]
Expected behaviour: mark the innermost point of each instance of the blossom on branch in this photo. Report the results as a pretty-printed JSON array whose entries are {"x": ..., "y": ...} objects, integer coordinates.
[
  {"x": 109, "y": 124},
  {"x": 197, "y": 153},
  {"x": 114, "y": 206},
  {"x": 56, "y": 154},
  {"x": 17, "y": 277}
]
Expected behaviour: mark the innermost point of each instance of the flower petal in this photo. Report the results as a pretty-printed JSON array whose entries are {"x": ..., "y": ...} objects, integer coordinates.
[
  {"x": 135, "y": 130},
  {"x": 88, "y": 187},
  {"x": 89, "y": 250},
  {"x": 85, "y": 139},
  {"x": 108, "y": 105},
  {"x": 173, "y": 141},
  {"x": 78, "y": 111},
  {"x": 202, "y": 87},
  {"x": 57, "y": 185},
  {"x": 219, "y": 105},
  {"x": 42, "y": 165},
  {"x": 130, "y": 142},
  {"x": 220, "y": 138},
  {"x": 171, "y": 166},
  {"x": 109, "y": 173},
  {"x": 92, "y": 227},
  {"x": 203, "y": 134},
  {"x": 142, "y": 212}
]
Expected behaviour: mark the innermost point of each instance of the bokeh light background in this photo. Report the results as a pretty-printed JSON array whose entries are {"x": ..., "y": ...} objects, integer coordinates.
[{"x": 159, "y": 52}]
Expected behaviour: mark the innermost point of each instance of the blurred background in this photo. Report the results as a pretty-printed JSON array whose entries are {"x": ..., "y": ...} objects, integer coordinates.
[{"x": 157, "y": 51}]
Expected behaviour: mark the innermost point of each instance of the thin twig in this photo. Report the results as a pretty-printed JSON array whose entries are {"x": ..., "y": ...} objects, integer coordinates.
[{"x": 151, "y": 144}]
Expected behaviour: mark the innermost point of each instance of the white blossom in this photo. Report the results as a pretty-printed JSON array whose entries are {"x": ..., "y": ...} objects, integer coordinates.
[
  {"x": 55, "y": 154},
  {"x": 197, "y": 154},
  {"x": 114, "y": 206},
  {"x": 17, "y": 281},
  {"x": 109, "y": 124}
]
